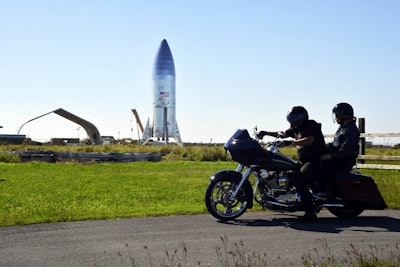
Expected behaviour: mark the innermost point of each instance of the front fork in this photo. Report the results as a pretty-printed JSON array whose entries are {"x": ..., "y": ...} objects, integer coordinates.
[{"x": 245, "y": 175}]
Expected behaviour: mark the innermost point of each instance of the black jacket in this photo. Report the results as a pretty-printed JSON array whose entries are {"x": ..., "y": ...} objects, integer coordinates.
[
  {"x": 346, "y": 142},
  {"x": 309, "y": 153}
]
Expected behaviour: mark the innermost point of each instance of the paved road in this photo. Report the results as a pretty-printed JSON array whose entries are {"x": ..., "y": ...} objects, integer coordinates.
[{"x": 276, "y": 236}]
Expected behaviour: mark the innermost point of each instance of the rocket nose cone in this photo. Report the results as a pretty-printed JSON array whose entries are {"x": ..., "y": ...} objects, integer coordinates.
[{"x": 164, "y": 63}]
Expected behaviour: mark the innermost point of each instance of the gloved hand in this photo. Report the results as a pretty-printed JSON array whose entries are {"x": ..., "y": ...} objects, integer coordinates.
[
  {"x": 284, "y": 143},
  {"x": 261, "y": 134},
  {"x": 281, "y": 135},
  {"x": 289, "y": 142}
]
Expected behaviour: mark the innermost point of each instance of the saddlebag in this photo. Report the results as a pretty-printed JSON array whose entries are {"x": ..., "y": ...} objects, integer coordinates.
[{"x": 359, "y": 190}]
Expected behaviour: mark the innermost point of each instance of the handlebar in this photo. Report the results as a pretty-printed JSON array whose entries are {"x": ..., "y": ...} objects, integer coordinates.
[{"x": 279, "y": 141}]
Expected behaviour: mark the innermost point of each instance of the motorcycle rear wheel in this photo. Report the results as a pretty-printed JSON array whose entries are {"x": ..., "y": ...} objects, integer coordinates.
[
  {"x": 346, "y": 212},
  {"x": 218, "y": 202}
]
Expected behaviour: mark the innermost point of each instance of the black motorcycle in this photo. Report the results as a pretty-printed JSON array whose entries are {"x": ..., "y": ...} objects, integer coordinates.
[{"x": 267, "y": 176}]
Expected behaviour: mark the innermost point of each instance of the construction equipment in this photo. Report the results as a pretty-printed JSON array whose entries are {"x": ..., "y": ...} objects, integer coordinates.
[{"x": 138, "y": 122}]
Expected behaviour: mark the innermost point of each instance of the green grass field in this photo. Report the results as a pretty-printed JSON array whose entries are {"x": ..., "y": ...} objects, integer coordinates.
[{"x": 42, "y": 192}]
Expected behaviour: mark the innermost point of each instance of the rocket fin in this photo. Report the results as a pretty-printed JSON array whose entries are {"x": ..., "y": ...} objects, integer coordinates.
[
  {"x": 148, "y": 130},
  {"x": 177, "y": 135}
]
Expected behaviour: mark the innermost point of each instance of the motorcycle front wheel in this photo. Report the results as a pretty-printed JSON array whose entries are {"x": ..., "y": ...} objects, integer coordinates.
[{"x": 218, "y": 198}]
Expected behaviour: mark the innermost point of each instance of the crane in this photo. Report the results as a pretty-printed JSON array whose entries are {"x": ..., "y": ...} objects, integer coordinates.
[{"x": 138, "y": 122}]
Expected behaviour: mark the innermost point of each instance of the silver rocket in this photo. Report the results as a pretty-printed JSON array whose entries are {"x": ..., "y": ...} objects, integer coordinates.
[{"x": 162, "y": 124}]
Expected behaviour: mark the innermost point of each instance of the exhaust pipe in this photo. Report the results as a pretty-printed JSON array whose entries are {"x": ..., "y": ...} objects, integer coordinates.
[
  {"x": 333, "y": 205},
  {"x": 277, "y": 204},
  {"x": 287, "y": 206}
]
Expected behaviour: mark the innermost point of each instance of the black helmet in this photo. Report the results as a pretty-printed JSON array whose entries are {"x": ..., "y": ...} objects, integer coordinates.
[
  {"x": 343, "y": 111},
  {"x": 296, "y": 116}
]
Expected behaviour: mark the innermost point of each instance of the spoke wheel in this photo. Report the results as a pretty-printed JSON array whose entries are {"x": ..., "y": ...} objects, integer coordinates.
[{"x": 219, "y": 202}]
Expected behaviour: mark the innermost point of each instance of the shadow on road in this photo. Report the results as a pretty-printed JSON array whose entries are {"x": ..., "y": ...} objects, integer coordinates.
[{"x": 327, "y": 225}]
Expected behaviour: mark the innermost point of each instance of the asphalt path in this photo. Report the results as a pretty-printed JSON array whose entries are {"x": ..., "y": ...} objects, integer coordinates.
[{"x": 196, "y": 240}]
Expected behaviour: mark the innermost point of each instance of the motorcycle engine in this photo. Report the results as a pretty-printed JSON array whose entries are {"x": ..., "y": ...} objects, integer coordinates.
[
  {"x": 281, "y": 187},
  {"x": 278, "y": 182}
]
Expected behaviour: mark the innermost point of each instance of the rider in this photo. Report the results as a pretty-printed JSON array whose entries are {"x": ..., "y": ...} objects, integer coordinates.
[
  {"x": 343, "y": 151},
  {"x": 310, "y": 143}
]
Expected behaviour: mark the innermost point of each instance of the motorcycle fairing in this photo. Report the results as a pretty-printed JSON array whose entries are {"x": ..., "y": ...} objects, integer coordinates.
[{"x": 245, "y": 150}]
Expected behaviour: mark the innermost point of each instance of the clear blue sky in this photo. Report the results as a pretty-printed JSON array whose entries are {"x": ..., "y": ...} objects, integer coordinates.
[{"x": 238, "y": 64}]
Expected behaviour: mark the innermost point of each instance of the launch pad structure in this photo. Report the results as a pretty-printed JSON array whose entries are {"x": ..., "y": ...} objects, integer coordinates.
[{"x": 91, "y": 130}]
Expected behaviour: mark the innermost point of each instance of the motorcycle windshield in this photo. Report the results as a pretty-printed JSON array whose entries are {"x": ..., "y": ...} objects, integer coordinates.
[
  {"x": 245, "y": 150},
  {"x": 240, "y": 134}
]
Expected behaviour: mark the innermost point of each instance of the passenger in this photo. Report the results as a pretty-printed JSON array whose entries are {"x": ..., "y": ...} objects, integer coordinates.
[
  {"x": 310, "y": 144},
  {"x": 343, "y": 151}
]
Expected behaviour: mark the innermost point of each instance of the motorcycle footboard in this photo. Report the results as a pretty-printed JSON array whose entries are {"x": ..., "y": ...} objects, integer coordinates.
[{"x": 359, "y": 189}]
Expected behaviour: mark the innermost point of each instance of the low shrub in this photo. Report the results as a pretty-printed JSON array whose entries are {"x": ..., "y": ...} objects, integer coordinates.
[{"x": 9, "y": 157}]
